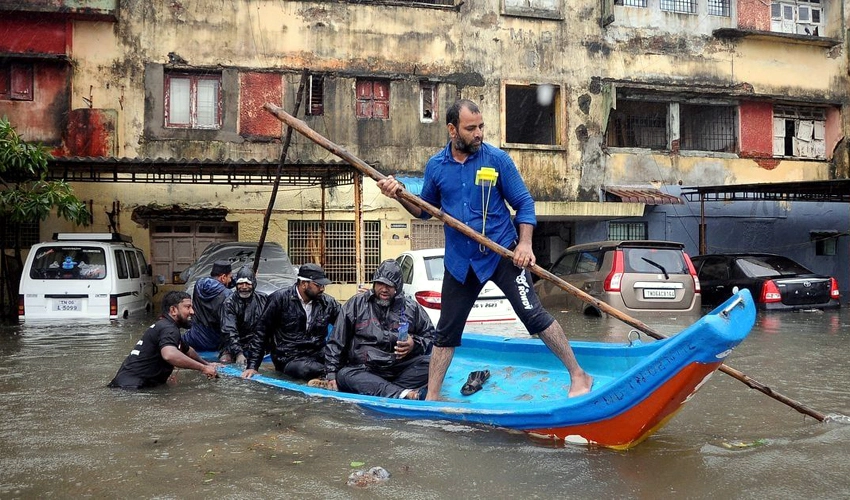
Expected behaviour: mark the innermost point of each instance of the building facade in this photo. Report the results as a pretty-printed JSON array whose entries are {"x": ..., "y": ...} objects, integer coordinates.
[{"x": 595, "y": 102}]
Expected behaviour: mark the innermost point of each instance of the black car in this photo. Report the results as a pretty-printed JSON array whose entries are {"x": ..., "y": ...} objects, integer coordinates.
[{"x": 776, "y": 282}]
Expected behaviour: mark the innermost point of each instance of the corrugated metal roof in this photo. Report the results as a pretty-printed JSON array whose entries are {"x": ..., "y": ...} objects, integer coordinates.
[
  {"x": 647, "y": 196},
  {"x": 836, "y": 190}
]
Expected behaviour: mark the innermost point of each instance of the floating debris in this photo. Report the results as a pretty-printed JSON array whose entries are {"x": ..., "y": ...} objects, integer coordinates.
[{"x": 366, "y": 478}]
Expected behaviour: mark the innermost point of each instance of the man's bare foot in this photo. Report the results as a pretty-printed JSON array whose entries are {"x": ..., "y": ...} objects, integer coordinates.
[{"x": 580, "y": 385}]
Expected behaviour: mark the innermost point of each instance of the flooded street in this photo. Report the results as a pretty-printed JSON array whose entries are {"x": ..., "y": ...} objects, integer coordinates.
[{"x": 64, "y": 434}]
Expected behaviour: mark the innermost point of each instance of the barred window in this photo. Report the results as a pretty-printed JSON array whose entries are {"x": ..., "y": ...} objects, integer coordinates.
[
  {"x": 681, "y": 6},
  {"x": 638, "y": 125},
  {"x": 305, "y": 245},
  {"x": 707, "y": 128},
  {"x": 718, "y": 8},
  {"x": 627, "y": 230},
  {"x": 28, "y": 232},
  {"x": 631, "y": 3},
  {"x": 427, "y": 234}
]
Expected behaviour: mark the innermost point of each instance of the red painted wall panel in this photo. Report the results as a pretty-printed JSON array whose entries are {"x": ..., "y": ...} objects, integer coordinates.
[
  {"x": 26, "y": 35},
  {"x": 257, "y": 89},
  {"x": 91, "y": 132},
  {"x": 756, "y": 129},
  {"x": 754, "y": 15},
  {"x": 43, "y": 118}
]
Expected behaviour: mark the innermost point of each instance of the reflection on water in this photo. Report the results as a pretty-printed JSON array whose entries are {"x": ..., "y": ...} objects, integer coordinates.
[{"x": 64, "y": 434}]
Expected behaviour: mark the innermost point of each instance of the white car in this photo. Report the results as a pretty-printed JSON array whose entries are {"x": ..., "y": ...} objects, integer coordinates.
[{"x": 422, "y": 272}]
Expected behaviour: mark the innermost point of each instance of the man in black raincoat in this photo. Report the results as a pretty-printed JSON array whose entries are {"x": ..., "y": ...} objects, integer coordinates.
[
  {"x": 294, "y": 327},
  {"x": 381, "y": 342},
  {"x": 240, "y": 315}
]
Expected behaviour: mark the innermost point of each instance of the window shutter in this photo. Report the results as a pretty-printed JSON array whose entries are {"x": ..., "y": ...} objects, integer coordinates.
[{"x": 21, "y": 82}]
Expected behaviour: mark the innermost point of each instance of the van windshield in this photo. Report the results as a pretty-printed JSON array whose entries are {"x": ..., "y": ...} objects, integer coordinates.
[{"x": 68, "y": 262}]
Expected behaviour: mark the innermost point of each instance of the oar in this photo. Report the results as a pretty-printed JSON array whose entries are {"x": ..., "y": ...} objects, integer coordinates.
[{"x": 367, "y": 169}]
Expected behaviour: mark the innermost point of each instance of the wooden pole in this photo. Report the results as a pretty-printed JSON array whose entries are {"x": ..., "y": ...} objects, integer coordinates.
[
  {"x": 450, "y": 221},
  {"x": 301, "y": 86}
]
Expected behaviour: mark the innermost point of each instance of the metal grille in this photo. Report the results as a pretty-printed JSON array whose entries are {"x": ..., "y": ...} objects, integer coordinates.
[
  {"x": 707, "y": 128},
  {"x": 718, "y": 8},
  {"x": 627, "y": 230},
  {"x": 28, "y": 231},
  {"x": 631, "y": 3},
  {"x": 305, "y": 245},
  {"x": 638, "y": 124},
  {"x": 682, "y": 6},
  {"x": 427, "y": 234}
]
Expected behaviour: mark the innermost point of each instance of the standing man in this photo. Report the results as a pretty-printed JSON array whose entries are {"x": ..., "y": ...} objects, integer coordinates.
[
  {"x": 380, "y": 343},
  {"x": 294, "y": 327},
  {"x": 160, "y": 350},
  {"x": 240, "y": 315},
  {"x": 474, "y": 182},
  {"x": 207, "y": 297}
]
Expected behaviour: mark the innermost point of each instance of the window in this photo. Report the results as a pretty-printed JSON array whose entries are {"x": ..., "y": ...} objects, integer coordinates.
[
  {"x": 28, "y": 232},
  {"x": 638, "y": 125},
  {"x": 707, "y": 128},
  {"x": 718, "y": 8},
  {"x": 631, "y": 3},
  {"x": 16, "y": 81},
  {"x": 826, "y": 245},
  {"x": 427, "y": 102},
  {"x": 531, "y": 114},
  {"x": 546, "y": 9},
  {"x": 652, "y": 125},
  {"x": 121, "y": 264},
  {"x": 799, "y": 132},
  {"x": 306, "y": 244},
  {"x": 802, "y": 17},
  {"x": 627, "y": 230},
  {"x": 64, "y": 262},
  {"x": 426, "y": 234},
  {"x": 680, "y": 6},
  {"x": 316, "y": 96},
  {"x": 133, "y": 263},
  {"x": 373, "y": 99},
  {"x": 193, "y": 100}
]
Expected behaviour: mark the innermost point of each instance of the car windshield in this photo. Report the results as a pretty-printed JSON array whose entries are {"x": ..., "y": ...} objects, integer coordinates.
[
  {"x": 69, "y": 262},
  {"x": 655, "y": 260},
  {"x": 769, "y": 266},
  {"x": 434, "y": 268}
]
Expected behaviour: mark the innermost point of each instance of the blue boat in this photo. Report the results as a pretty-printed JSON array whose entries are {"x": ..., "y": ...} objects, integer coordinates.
[{"x": 638, "y": 386}]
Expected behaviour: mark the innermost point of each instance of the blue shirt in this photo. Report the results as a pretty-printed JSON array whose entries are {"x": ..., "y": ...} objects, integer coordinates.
[{"x": 450, "y": 186}]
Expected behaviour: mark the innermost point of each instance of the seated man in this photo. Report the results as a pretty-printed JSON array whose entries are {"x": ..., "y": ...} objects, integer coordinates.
[
  {"x": 294, "y": 327},
  {"x": 154, "y": 357},
  {"x": 381, "y": 342},
  {"x": 240, "y": 315},
  {"x": 207, "y": 297}
]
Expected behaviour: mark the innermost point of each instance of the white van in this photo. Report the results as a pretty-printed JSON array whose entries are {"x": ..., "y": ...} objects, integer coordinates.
[{"x": 85, "y": 275}]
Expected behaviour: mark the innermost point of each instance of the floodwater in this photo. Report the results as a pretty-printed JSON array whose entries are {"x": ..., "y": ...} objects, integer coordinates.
[{"x": 65, "y": 435}]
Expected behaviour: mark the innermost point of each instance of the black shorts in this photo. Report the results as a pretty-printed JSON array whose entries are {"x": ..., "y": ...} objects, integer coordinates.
[{"x": 514, "y": 282}]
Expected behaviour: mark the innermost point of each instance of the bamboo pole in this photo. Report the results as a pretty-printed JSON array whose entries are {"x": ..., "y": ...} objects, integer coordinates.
[{"x": 450, "y": 221}]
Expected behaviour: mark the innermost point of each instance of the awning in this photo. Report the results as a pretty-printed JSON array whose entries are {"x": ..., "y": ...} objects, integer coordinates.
[{"x": 647, "y": 196}]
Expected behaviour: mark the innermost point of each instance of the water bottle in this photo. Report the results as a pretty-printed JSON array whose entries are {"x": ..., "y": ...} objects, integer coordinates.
[{"x": 403, "y": 327}]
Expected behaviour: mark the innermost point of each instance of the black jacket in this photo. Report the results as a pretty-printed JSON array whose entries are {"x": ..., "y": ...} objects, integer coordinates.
[
  {"x": 239, "y": 320},
  {"x": 282, "y": 330},
  {"x": 365, "y": 333}
]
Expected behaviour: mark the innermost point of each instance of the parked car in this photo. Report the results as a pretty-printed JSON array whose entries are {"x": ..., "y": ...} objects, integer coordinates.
[
  {"x": 85, "y": 275},
  {"x": 275, "y": 270},
  {"x": 776, "y": 282},
  {"x": 422, "y": 272},
  {"x": 631, "y": 276}
]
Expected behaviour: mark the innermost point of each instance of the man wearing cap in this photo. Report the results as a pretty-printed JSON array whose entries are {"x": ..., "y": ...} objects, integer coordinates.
[
  {"x": 240, "y": 315},
  {"x": 207, "y": 297},
  {"x": 381, "y": 342},
  {"x": 294, "y": 327}
]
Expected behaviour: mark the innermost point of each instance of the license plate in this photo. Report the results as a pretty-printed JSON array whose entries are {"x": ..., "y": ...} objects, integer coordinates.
[
  {"x": 663, "y": 293},
  {"x": 488, "y": 304},
  {"x": 66, "y": 305}
]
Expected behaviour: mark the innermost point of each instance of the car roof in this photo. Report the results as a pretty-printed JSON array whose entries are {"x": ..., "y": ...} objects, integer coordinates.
[
  {"x": 609, "y": 244},
  {"x": 426, "y": 252},
  {"x": 739, "y": 254}
]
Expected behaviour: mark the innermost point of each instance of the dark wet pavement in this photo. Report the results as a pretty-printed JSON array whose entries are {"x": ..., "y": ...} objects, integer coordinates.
[{"x": 65, "y": 435}]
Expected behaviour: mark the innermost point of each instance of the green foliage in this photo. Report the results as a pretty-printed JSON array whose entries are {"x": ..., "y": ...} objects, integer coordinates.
[{"x": 25, "y": 192}]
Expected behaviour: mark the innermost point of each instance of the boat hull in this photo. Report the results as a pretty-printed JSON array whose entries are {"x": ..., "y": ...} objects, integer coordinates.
[{"x": 638, "y": 386}]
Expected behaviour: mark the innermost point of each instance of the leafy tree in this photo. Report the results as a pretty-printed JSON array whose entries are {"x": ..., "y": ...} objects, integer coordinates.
[{"x": 26, "y": 195}]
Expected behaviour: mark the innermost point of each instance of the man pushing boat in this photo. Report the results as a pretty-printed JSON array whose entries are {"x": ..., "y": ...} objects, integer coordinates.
[{"x": 475, "y": 182}]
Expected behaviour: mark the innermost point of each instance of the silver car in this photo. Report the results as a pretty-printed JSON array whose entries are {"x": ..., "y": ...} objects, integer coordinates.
[{"x": 631, "y": 276}]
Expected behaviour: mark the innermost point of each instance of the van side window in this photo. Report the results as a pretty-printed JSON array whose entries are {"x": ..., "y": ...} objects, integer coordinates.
[
  {"x": 134, "y": 264},
  {"x": 143, "y": 264},
  {"x": 121, "y": 265}
]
